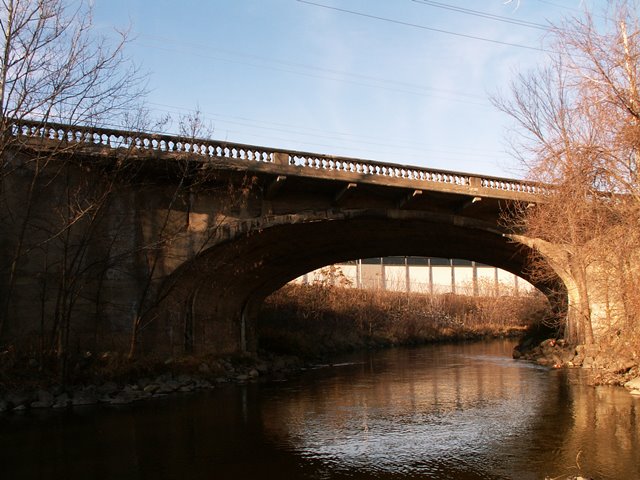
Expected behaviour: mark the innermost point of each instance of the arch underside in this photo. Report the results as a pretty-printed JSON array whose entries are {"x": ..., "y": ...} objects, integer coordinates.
[{"x": 228, "y": 282}]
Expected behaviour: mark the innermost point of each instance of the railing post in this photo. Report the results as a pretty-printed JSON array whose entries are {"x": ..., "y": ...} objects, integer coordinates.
[
  {"x": 475, "y": 183},
  {"x": 281, "y": 158}
]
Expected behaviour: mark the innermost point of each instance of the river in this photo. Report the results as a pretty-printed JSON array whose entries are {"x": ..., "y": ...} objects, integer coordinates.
[{"x": 439, "y": 412}]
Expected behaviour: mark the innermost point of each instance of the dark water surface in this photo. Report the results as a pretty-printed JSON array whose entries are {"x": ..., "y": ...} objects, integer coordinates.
[{"x": 446, "y": 412}]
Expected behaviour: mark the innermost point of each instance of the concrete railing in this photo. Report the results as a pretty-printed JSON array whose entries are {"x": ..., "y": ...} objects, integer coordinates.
[{"x": 212, "y": 149}]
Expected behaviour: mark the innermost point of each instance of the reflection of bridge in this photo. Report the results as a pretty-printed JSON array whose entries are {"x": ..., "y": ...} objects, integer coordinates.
[{"x": 215, "y": 227}]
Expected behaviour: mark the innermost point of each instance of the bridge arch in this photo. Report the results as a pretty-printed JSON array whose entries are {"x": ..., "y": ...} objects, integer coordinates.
[{"x": 216, "y": 296}]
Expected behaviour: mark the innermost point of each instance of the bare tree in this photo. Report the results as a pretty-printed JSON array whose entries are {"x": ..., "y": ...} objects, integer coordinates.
[
  {"x": 55, "y": 68},
  {"x": 578, "y": 128}
]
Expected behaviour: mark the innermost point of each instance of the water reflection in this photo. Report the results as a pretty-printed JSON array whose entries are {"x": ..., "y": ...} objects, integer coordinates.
[
  {"x": 465, "y": 412},
  {"x": 411, "y": 411},
  {"x": 604, "y": 427}
]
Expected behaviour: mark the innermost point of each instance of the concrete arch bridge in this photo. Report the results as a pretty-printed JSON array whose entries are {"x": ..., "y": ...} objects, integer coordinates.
[{"x": 187, "y": 236}]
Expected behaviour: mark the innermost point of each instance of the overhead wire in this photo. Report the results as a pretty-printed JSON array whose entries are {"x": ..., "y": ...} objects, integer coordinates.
[
  {"x": 582, "y": 10},
  {"x": 443, "y": 154},
  {"x": 335, "y": 75},
  {"x": 477, "y": 13},
  {"x": 377, "y": 81},
  {"x": 340, "y": 136},
  {"x": 422, "y": 27},
  {"x": 553, "y": 4},
  {"x": 323, "y": 134},
  {"x": 353, "y": 78}
]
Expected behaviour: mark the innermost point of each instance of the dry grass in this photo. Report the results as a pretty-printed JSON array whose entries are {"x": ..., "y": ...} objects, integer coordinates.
[{"x": 317, "y": 319}]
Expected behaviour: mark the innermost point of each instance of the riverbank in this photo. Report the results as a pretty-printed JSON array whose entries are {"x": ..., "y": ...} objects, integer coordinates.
[
  {"x": 613, "y": 364},
  {"x": 318, "y": 320},
  {"x": 299, "y": 325},
  {"x": 305, "y": 324},
  {"x": 111, "y": 380}
]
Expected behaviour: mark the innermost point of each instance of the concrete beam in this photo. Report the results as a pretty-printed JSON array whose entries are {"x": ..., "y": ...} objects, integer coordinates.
[
  {"x": 467, "y": 203},
  {"x": 274, "y": 187},
  {"x": 405, "y": 200},
  {"x": 344, "y": 193}
]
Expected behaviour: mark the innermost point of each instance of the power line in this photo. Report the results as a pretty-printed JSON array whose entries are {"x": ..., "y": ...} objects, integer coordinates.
[
  {"x": 374, "y": 82},
  {"x": 324, "y": 134},
  {"x": 167, "y": 40},
  {"x": 553, "y": 4},
  {"x": 580, "y": 11},
  {"x": 344, "y": 144},
  {"x": 477, "y": 13},
  {"x": 422, "y": 27}
]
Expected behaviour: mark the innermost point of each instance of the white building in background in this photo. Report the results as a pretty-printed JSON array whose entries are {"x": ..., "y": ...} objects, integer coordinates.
[{"x": 421, "y": 275}]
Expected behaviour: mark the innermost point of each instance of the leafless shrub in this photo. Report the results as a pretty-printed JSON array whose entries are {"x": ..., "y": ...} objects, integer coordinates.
[{"x": 325, "y": 318}]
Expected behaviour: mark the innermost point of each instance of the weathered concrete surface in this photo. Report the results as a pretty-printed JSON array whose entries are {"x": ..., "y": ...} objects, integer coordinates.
[
  {"x": 595, "y": 303},
  {"x": 100, "y": 244},
  {"x": 231, "y": 279}
]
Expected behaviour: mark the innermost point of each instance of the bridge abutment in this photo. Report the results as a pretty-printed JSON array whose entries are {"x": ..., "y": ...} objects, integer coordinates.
[{"x": 594, "y": 302}]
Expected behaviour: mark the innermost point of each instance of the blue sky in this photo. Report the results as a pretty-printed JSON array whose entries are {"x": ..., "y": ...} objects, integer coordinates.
[{"x": 371, "y": 79}]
